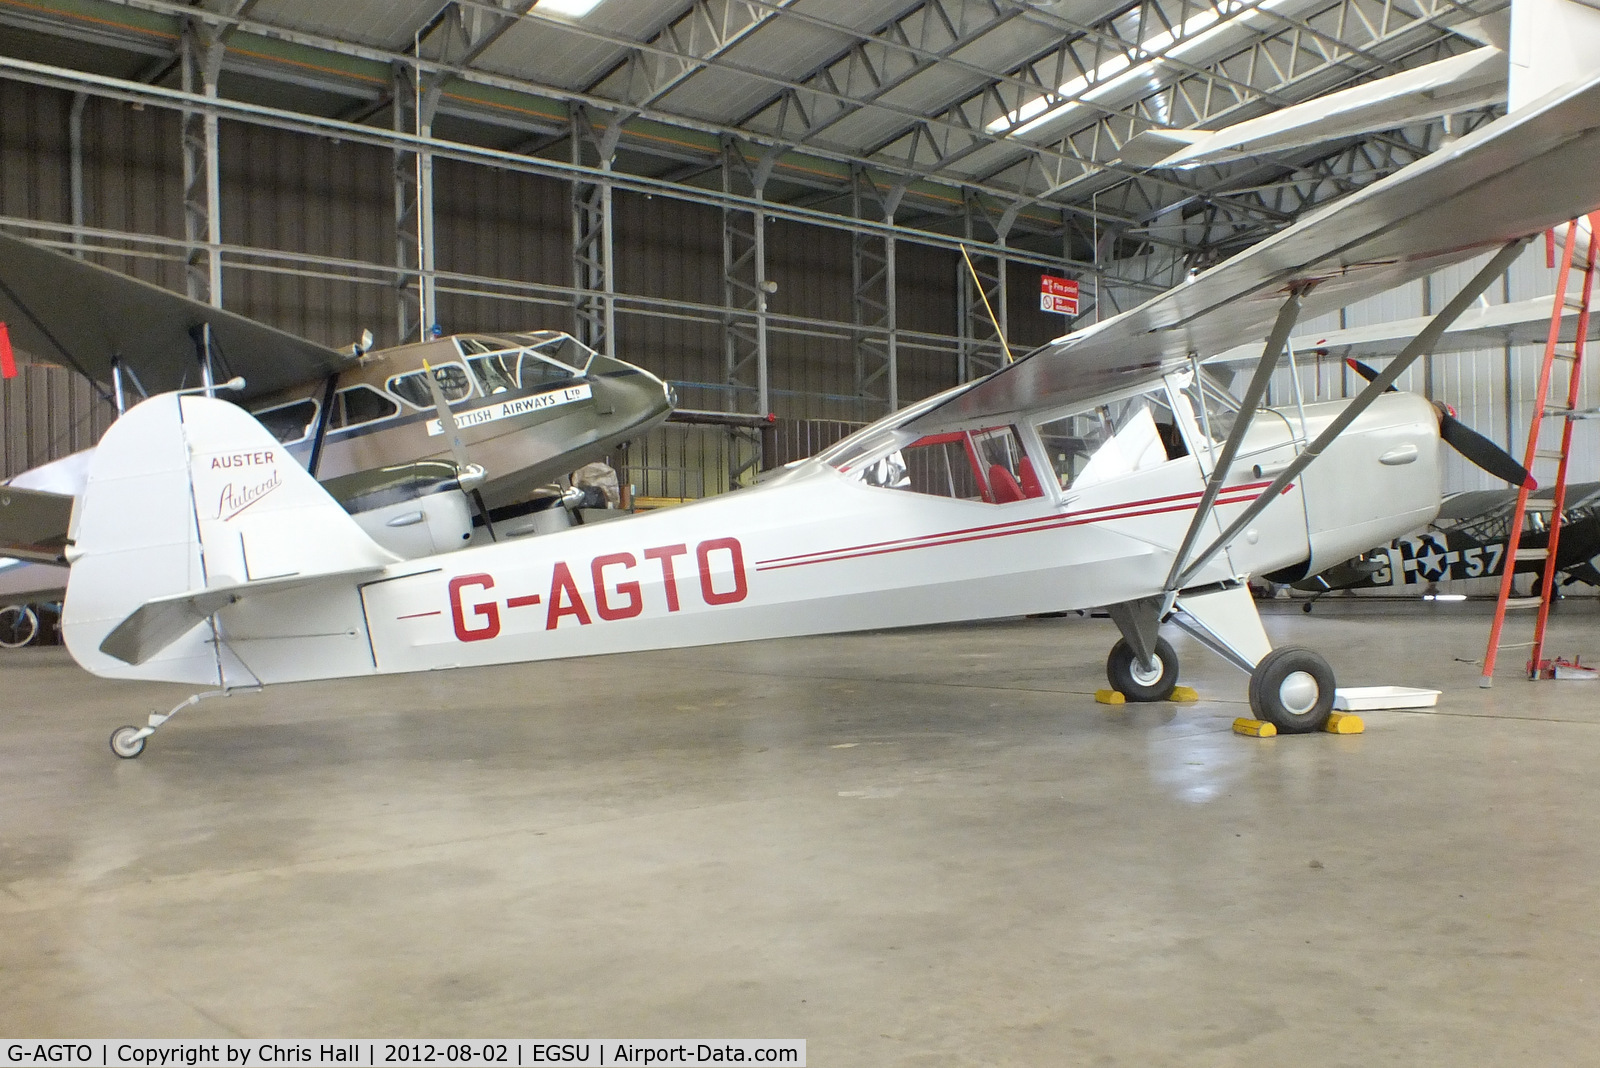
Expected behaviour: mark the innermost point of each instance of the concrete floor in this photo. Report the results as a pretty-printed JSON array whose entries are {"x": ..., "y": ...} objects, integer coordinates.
[{"x": 918, "y": 848}]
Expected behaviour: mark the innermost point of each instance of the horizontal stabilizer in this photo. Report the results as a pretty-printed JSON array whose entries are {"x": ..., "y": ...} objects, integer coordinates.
[
  {"x": 156, "y": 624},
  {"x": 191, "y": 506}
]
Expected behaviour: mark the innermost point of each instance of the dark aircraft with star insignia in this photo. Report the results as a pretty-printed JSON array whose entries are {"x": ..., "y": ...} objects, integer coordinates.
[{"x": 1468, "y": 540}]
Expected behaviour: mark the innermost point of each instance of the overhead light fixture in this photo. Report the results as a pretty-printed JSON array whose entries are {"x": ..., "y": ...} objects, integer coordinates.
[
  {"x": 1114, "y": 73},
  {"x": 567, "y": 9}
]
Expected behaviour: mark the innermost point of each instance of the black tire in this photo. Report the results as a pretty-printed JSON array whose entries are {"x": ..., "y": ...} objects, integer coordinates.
[
  {"x": 1292, "y": 689},
  {"x": 1133, "y": 681},
  {"x": 124, "y": 744}
]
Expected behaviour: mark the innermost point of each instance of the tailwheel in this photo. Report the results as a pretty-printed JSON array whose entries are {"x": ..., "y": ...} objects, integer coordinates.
[
  {"x": 1142, "y": 682},
  {"x": 1292, "y": 689},
  {"x": 19, "y": 625},
  {"x": 128, "y": 742}
]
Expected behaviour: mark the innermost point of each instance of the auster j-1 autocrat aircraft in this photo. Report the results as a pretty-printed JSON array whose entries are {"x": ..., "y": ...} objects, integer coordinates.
[
  {"x": 1104, "y": 469},
  {"x": 529, "y": 407}
]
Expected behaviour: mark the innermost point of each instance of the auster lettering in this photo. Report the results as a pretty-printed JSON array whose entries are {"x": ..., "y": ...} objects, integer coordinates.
[
  {"x": 243, "y": 459},
  {"x": 669, "y": 579},
  {"x": 630, "y": 590},
  {"x": 562, "y": 587},
  {"x": 735, "y": 552},
  {"x": 488, "y": 611}
]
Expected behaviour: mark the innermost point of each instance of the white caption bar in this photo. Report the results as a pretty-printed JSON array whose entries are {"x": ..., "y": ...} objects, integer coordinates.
[{"x": 371, "y": 1053}]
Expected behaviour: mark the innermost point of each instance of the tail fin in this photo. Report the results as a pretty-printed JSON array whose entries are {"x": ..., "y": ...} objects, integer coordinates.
[
  {"x": 1553, "y": 43},
  {"x": 191, "y": 504}
]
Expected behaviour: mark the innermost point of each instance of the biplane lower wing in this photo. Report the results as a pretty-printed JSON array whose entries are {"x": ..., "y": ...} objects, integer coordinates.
[{"x": 1510, "y": 179}]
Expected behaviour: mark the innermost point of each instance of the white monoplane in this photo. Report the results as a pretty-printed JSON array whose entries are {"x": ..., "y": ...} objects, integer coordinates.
[{"x": 1104, "y": 469}]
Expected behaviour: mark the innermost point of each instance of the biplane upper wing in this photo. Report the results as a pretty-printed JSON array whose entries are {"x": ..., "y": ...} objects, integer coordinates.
[
  {"x": 1511, "y": 178},
  {"x": 64, "y": 310}
]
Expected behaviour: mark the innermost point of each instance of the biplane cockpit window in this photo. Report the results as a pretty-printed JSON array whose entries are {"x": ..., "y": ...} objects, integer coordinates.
[
  {"x": 412, "y": 388},
  {"x": 497, "y": 371},
  {"x": 564, "y": 349},
  {"x": 289, "y": 422},
  {"x": 1114, "y": 439},
  {"x": 537, "y": 371},
  {"x": 356, "y": 405}
]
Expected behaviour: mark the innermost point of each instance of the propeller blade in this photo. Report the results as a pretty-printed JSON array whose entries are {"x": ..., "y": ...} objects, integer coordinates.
[
  {"x": 447, "y": 418},
  {"x": 469, "y": 473},
  {"x": 1483, "y": 452},
  {"x": 1365, "y": 371}
]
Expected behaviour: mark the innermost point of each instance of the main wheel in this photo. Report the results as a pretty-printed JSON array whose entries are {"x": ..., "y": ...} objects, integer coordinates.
[
  {"x": 19, "y": 625},
  {"x": 1137, "y": 682},
  {"x": 1292, "y": 689},
  {"x": 126, "y": 743}
]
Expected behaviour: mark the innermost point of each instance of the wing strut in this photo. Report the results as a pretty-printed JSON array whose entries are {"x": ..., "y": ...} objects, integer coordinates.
[
  {"x": 1418, "y": 345},
  {"x": 1247, "y": 410},
  {"x": 324, "y": 417}
]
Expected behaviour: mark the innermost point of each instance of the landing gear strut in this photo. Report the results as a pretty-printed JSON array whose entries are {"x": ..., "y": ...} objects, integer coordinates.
[
  {"x": 128, "y": 742},
  {"x": 1292, "y": 689}
]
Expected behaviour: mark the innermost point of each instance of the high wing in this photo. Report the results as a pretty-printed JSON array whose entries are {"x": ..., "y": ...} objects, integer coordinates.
[
  {"x": 1523, "y": 322},
  {"x": 1512, "y": 178},
  {"x": 64, "y": 310}
]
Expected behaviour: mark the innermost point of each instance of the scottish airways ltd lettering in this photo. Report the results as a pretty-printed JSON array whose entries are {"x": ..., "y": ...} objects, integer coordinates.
[
  {"x": 613, "y": 584},
  {"x": 520, "y": 406}
]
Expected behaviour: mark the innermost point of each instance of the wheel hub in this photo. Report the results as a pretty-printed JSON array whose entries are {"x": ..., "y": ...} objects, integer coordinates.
[
  {"x": 1298, "y": 692},
  {"x": 1146, "y": 676}
]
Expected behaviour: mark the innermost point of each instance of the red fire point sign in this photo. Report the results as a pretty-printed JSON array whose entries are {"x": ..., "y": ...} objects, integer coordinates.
[{"x": 1059, "y": 295}]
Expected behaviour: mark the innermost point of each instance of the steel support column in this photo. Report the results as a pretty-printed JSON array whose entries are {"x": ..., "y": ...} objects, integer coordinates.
[
  {"x": 75, "y": 168},
  {"x": 872, "y": 271},
  {"x": 414, "y": 105},
  {"x": 200, "y": 55},
  {"x": 982, "y": 346},
  {"x": 594, "y": 144},
  {"x": 745, "y": 288}
]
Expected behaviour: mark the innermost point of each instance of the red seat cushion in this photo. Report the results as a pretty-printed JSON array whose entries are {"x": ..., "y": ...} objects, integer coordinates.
[{"x": 1003, "y": 485}]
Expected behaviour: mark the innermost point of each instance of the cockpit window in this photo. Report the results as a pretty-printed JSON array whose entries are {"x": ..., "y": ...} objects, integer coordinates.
[
  {"x": 1114, "y": 439},
  {"x": 289, "y": 422},
  {"x": 355, "y": 405},
  {"x": 523, "y": 361},
  {"x": 986, "y": 465},
  {"x": 454, "y": 383}
]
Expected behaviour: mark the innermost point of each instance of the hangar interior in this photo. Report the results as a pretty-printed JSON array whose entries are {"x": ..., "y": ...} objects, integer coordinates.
[
  {"x": 615, "y": 192},
  {"x": 911, "y": 847}
]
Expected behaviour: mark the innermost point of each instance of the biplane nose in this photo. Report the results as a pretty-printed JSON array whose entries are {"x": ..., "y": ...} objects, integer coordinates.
[
  {"x": 1375, "y": 482},
  {"x": 630, "y": 399}
]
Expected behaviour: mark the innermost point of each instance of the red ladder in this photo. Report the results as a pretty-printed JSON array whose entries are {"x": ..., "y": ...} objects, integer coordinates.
[{"x": 1536, "y": 452}]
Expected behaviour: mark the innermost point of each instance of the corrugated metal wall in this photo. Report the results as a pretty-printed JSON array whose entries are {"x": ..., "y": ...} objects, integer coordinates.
[{"x": 321, "y": 213}]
